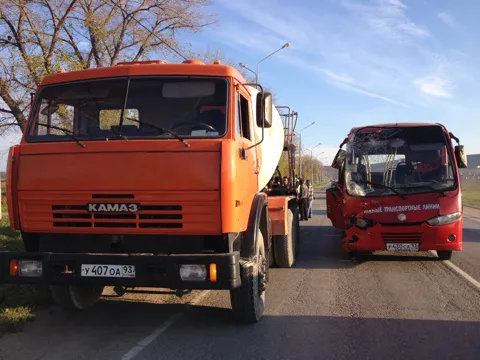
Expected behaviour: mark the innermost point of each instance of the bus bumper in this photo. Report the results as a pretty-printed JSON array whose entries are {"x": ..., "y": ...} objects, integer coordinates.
[{"x": 376, "y": 238}]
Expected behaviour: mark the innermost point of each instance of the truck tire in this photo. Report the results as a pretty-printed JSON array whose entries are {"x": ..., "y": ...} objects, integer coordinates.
[
  {"x": 72, "y": 297},
  {"x": 248, "y": 301},
  {"x": 285, "y": 245},
  {"x": 444, "y": 254}
]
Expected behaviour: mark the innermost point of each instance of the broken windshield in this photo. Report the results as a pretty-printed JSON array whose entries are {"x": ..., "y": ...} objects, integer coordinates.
[
  {"x": 185, "y": 107},
  {"x": 398, "y": 161}
]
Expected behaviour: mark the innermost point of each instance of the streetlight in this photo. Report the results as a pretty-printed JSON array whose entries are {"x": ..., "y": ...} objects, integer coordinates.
[
  {"x": 247, "y": 68},
  {"x": 311, "y": 155},
  {"x": 300, "y": 149},
  {"x": 266, "y": 57}
]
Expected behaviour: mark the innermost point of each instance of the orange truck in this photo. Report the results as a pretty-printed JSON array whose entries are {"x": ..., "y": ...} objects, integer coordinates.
[{"x": 149, "y": 174}]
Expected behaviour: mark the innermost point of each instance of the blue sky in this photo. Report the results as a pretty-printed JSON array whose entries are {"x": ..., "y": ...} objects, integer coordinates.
[
  {"x": 357, "y": 62},
  {"x": 360, "y": 62}
]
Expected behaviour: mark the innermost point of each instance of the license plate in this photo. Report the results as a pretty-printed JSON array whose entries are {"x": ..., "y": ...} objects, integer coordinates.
[
  {"x": 118, "y": 271},
  {"x": 402, "y": 246}
]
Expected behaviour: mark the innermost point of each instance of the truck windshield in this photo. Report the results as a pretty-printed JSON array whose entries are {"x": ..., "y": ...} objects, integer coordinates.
[
  {"x": 189, "y": 107},
  {"x": 398, "y": 162}
]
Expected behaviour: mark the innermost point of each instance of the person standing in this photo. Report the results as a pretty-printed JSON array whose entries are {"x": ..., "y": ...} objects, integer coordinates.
[
  {"x": 302, "y": 200},
  {"x": 311, "y": 197}
]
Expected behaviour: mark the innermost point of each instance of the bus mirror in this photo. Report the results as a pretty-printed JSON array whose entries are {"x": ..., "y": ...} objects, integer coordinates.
[
  {"x": 339, "y": 159},
  {"x": 264, "y": 110},
  {"x": 461, "y": 156}
]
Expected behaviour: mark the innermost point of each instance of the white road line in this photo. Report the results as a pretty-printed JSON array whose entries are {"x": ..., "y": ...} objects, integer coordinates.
[
  {"x": 460, "y": 272},
  {"x": 472, "y": 218},
  {"x": 142, "y": 344},
  {"x": 463, "y": 274}
]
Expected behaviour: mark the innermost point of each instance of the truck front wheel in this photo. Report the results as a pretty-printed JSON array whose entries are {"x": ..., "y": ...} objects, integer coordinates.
[
  {"x": 72, "y": 297},
  {"x": 248, "y": 301}
]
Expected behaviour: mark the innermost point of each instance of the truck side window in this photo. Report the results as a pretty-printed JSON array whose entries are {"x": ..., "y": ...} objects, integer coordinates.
[
  {"x": 238, "y": 116},
  {"x": 245, "y": 117}
]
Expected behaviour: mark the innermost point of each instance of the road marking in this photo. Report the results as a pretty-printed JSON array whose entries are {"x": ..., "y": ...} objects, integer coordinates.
[
  {"x": 142, "y": 344},
  {"x": 472, "y": 218},
  {"x": 460, "y": 272},
  {"x": 463, "y": 274}
]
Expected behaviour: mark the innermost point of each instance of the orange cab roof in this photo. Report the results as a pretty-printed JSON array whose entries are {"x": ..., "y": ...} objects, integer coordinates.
[{"x": 142, "y": 68}]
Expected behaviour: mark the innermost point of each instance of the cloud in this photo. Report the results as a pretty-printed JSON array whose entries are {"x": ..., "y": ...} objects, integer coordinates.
[
  {"x": 435, "y": 86},
  {"x": 388, "y": 18},
  {"x": 448, "y": 19},
  {"x": 373, "y": 48},
  {"x": 348, "y": 83}
]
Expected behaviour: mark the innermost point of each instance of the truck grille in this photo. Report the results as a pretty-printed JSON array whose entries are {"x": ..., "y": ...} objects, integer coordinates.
[
  {"x": 148, "y": 216},
  {"x": 402, "y": 237}
]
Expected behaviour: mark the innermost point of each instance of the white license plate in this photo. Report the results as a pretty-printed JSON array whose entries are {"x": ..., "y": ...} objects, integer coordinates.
[
  {"x": 118, "y": 271},
  {"x": 402, "y": 246}
]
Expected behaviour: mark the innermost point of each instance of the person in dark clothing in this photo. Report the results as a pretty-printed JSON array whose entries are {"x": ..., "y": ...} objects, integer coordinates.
[
  {"x": 303, "y": 200},
  {"x": 277, "y": 188}
]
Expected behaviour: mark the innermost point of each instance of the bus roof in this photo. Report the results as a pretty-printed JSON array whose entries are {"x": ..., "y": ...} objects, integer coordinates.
[
  {"x": 395, "y": 125},
  {"x": 142, "y": 68}
]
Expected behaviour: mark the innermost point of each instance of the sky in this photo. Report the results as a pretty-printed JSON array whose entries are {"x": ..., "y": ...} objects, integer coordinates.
[{"x": 355, "y": 63}]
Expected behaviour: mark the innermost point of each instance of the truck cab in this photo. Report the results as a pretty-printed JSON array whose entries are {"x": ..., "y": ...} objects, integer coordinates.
[
  {"x": 398, "y": 189},
  {"x": 156, "y": 168}
]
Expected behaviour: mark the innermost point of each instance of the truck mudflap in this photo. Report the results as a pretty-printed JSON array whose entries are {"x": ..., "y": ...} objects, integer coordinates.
[{"x": 218, "y": 271}]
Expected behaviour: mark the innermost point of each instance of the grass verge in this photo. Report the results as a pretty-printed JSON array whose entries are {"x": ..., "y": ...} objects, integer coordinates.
[
  {"x": 471, "y": 193},
  {"x": 17, "y": 302}
]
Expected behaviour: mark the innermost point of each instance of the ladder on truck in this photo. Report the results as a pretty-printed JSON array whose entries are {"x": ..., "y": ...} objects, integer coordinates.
[{"x": 289, "y": 119}]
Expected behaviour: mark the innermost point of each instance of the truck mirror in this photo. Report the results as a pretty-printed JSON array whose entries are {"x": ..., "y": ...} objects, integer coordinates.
[
  {"x": 339, "y": 159},
  {"x": 461, "y": 156},
  {"x": 264, "y": 110}
]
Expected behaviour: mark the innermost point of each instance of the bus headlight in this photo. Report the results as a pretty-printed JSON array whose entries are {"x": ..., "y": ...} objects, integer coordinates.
[{"x": 444, "y": 219}]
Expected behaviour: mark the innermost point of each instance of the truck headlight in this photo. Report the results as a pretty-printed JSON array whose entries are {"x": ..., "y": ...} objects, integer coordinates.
[
  {"x": 444, "y": 219},
  {"x": 26, "y": 268},
  {"x": 193, "y": 272}
]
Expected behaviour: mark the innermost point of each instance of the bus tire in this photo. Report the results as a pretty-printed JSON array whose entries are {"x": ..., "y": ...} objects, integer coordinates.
[
  {"x": 73, "y": 297},
  {"x": 248, "y": 301},
  {"x": 284, "y": 245},
  {"x": 444, "y": 254}
]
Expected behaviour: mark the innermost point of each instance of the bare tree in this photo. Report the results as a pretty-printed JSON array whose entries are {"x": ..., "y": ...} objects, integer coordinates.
[{"x": 41, "y": 37}]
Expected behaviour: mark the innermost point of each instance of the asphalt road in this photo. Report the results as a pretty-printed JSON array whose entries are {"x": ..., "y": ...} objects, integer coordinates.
[{"x": 386, "y": 306}]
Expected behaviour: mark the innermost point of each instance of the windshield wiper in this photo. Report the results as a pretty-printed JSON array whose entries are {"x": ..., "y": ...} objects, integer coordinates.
[
  {"x": 441, "y": 192},
  {"x": 163, "y": 130},
  {"x": 66, "y": 131},
  {"x": 387, "y": 187}
]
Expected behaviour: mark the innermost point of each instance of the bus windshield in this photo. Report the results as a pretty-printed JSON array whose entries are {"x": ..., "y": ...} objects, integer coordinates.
[
  {"x": 139, "y": 107},
  {"x": 398, "y": 161}
]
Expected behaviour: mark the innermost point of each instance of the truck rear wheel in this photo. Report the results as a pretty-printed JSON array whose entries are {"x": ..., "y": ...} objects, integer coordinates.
[
  {"x": 248, "y": 301},
  {"x": 72, "y": 297},
  {"x": 285, "y": 245},
  {"x": 444, "y": 254}
]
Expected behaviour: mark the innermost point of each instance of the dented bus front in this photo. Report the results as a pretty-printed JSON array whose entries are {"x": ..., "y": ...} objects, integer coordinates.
[{"x": 398, "y": 190}]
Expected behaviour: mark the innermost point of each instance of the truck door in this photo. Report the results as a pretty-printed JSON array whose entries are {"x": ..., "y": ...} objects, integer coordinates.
[{"x": 247, "y": 167}]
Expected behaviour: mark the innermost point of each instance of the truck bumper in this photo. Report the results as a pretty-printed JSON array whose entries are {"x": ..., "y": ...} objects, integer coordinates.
[
  {"x": 428, "y": 237},
  {"x": 150, "y": 270}
]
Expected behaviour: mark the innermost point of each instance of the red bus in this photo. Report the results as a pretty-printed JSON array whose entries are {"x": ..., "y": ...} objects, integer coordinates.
[{"x": 398, "y": 189}]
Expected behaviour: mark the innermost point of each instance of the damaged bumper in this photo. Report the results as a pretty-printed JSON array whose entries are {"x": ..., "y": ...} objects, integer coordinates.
[{"x": 376, "y": 238}]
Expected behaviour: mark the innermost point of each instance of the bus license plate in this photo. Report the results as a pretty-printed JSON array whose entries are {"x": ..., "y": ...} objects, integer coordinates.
[
  {"x": 117, "y": 271},
  {"x": 402, "y": 246}
]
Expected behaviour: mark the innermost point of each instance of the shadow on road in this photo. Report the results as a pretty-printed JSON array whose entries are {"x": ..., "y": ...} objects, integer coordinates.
[
  {"x": 471, "y": 235},
  {"x": 319, "y": 212},
  {"x": 208, "y": 333}
]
